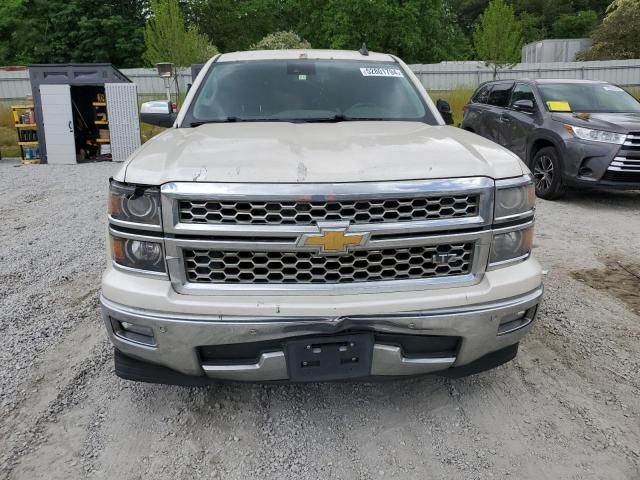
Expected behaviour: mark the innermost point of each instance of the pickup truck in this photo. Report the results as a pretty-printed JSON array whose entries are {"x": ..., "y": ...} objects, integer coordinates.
[{"x": 308, "y": 216}]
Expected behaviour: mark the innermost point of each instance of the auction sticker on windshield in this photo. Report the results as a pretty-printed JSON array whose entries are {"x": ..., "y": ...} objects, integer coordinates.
[{"x": 380, "y": 72}]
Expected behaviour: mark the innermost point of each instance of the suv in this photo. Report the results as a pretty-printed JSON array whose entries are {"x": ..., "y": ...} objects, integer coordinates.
[
  {"x": 569, "y": 132},
  {"x": 308, "y": 217}
]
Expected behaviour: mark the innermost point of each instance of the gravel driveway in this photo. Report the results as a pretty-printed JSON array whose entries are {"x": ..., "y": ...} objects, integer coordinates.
[{"x": 567, "y": 408}]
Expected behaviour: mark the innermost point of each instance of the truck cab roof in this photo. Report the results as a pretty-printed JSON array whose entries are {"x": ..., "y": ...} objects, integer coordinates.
[{"x": 307, "y": 53}]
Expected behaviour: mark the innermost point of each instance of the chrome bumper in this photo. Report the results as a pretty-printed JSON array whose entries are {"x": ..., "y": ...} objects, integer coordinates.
[{"x": 173, "y": 338}]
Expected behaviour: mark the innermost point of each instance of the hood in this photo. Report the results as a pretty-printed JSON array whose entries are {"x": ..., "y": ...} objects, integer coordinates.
[
  {"x": 612, "y": 122},
  {"x": 279, "y": 152}
]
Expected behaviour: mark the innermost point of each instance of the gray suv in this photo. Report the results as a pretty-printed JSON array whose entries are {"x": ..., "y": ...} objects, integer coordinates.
[{"x": 569, "y": 132}]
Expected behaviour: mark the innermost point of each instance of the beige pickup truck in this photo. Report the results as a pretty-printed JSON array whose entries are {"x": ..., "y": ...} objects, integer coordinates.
[{"x": 308, "y": 217}]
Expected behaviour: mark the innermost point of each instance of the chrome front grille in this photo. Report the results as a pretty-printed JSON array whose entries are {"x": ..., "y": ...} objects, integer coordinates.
[
  {"x": 623, "y": 164},
  {"x": 385, "y": 210},
  {"x": 280, "y": 239},
  {"x": 248, "y": 267},
  {"x": 625, "y": 167}
]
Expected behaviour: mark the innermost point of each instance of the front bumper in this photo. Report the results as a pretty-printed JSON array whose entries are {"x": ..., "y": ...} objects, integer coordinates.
[
  {"x": 586, "y": 164},
  {"x": 175, "y": 339}
]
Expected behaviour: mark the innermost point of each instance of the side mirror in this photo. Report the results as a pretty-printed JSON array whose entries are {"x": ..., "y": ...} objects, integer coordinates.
[
  {"x": 526, "y": 106},
  {"x": 445, "y": 110},
  {"x": 158, "y": 112}
]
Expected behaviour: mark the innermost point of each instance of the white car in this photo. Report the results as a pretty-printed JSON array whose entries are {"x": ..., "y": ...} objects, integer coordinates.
[{"x": 309, "y": 217}]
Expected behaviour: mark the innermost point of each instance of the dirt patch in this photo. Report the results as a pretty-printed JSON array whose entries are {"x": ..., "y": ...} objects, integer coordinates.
[{"x": 620, "y": 278}]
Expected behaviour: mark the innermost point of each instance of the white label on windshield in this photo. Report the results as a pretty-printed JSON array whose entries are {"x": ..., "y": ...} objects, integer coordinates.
[
  {"x": 380, "y": 72},
  {"x": 612, "y": 88}
]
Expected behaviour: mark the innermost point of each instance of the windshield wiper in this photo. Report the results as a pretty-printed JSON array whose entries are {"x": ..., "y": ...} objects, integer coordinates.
[
  {"x": 217, "y": 120},
  {"x": 332, "y": 119},
  {"x": 337, "y": 118},
  {"x": 237, "y": 119}
]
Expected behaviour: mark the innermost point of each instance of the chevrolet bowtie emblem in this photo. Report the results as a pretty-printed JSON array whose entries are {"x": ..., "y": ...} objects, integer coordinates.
[{"x": 333, "y": 240}]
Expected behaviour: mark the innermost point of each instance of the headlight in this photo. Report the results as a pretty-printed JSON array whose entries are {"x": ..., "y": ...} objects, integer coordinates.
[
  {"x": 514, "y": 201},
  {"x": 138, "y": 254},
  {"x": 596, "y": 135},
  {"x": 511, "y": 246},
  {"x": 135, "y": 204}
]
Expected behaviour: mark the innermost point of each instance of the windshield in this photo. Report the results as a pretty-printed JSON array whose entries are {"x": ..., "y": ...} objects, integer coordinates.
[
  {"x": 306, "y": 91},
  {"x": 587, "y": 97}
]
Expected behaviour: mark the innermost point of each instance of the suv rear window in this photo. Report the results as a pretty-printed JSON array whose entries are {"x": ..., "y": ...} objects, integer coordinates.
[{"x": 500, "y": 94}]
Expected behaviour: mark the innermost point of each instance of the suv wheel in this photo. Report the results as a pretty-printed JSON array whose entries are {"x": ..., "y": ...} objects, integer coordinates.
[{"x": 546, "y": 172}]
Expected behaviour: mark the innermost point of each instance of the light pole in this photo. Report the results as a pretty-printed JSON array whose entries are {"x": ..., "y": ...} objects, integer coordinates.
[{"x": 165, "y": 71}]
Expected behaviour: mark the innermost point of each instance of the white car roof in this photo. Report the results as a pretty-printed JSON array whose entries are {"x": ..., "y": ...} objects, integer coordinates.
[{"x": 304, "y": 53}]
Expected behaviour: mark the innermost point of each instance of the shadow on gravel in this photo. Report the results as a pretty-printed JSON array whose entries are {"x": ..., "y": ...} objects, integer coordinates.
[
  {"x": 620, "y": 278},
  {"x": 603, "y": 199},
  {"x": 352, "y": 396}
]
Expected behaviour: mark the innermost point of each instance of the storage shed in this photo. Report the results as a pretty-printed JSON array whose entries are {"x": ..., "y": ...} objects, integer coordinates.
[
  {"x": 195, "y": 70},
  {"x": 554, "y": 50},
  {"x": 84, "y": 111}
]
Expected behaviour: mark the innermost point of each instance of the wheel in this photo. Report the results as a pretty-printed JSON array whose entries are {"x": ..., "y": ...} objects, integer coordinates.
[{"x": 546, "y": 172}]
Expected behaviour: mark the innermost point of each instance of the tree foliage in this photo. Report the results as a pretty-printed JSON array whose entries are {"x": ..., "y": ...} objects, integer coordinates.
[
  {"x": 416, "y": 30},
  {"x": 60, "y": 31},
  {"x": 234, "y": 25},
  {"x": 536, "y": 16},
  {"x": 10, "y": 12},
  {"x": 576, "y": 25},
  {"x": 419, "y": 31},
  {"x": 618, "y": 35},
  {"x": 168, "y": 39},
  {"x": 280, "y": 41},
  {"x": 498, "y": 37}
]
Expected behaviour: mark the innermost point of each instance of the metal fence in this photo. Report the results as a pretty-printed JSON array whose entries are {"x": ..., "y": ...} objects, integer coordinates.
[
  {"x": 437, "y": 76},
  {"x": 15, "y": 83},
  {"x": 454, "y": 75}
]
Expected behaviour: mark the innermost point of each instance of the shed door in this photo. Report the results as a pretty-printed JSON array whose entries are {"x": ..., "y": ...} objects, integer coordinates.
[
  {"x": 58, "y": 123},
  {"x": 124, "y": 124}
]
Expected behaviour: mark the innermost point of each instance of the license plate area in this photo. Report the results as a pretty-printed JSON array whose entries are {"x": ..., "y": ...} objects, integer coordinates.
[{"x": 329, "y": 358}]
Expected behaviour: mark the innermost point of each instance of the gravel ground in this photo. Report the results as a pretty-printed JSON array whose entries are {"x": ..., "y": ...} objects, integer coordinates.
[{"x": 567, "y": 408}]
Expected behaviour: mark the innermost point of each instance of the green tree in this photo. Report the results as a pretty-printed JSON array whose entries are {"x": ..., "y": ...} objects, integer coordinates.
[
  {"x": 238, "y": 24},
  {"x": 11, "y": 11},
  {"x": 576, "y": 25},
  {"x": 498, "y": 37},
  {"x": 533, "y": 27},
  {"x": 536, "y": 16},
  {"x": 280, "y": 41},
  {"x": 617, "y": 36},
  {"x": 59, "y": 31},
  {"x": 416, "y": 30},
  {"x": 168, "y": 39}
]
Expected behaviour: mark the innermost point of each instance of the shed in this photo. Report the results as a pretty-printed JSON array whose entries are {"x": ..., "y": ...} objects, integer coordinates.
[
  {"x": 195, "y": 70},
  {"x": 84, "y": 111},
  {"x": 554, "y": 50}
]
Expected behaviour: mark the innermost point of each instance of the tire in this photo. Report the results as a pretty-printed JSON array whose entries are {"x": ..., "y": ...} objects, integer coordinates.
[{"x": 547, "y": 174}]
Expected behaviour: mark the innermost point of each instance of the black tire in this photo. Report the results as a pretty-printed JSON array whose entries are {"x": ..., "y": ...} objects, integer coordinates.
[{"x": 547, "y": 174}]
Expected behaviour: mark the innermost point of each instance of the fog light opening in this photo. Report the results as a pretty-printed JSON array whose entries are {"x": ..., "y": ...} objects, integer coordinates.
[
  {"x": 133, "y": 332},
  {"x": 585, "y": 172},
  {"x": 516, "y": 320}
]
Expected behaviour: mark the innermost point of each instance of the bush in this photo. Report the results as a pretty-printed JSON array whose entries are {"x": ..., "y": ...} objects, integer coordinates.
[
  {"x": 617, "y": 36},
  {"x": 281, "y": 41}
]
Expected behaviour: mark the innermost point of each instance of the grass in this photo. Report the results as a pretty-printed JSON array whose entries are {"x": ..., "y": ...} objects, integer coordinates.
[
  {"x": 8, "y": 136},
  {"x": 9, "y": 140},
  {"x": 457, "y": 99},
  {"x": 635, "y": 91}
]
